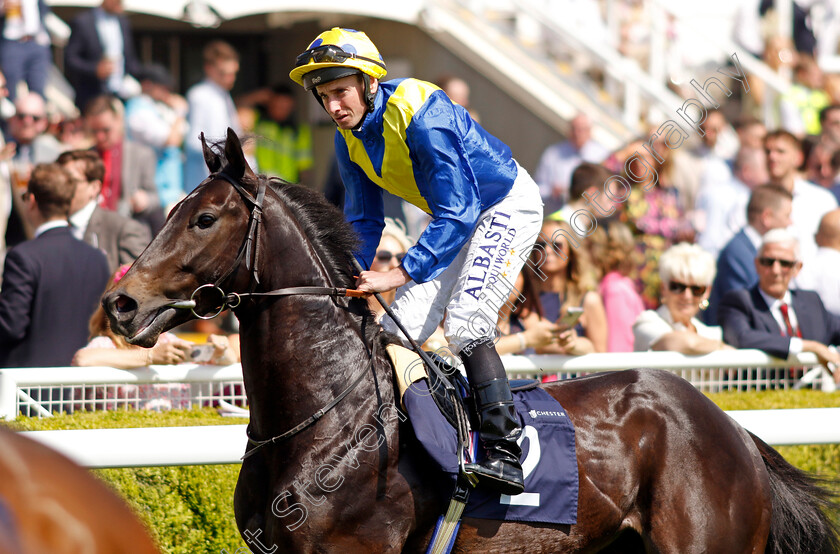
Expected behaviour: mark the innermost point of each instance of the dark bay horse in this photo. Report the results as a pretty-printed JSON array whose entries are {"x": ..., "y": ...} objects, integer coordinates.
[
  {"x": 50, "y": 504},
  {"x": 662, "y": 469}
]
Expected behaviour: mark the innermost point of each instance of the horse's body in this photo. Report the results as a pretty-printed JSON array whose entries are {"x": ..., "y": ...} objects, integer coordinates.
[
  {"x": 49, "y": 504},
  {"x": 661, "y": 468}
]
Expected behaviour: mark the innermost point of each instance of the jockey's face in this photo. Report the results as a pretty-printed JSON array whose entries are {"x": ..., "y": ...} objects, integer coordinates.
[{"x": 344, "y": 100}]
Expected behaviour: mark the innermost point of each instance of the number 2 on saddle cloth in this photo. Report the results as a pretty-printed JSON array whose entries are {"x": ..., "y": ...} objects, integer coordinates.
[{"x": 548, "y": 455}]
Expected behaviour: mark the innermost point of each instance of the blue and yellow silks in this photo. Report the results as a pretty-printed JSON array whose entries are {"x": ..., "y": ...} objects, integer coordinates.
[{"x": 420, "y": 146}]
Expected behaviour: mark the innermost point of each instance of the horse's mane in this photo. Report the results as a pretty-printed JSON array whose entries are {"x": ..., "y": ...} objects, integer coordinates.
[
  {"x": 323, "y": 223},
  {"x": 333, "y": 238}
]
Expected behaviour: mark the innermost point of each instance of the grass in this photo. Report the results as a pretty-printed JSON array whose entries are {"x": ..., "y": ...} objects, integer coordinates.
[{"x": 189, "y": 509}]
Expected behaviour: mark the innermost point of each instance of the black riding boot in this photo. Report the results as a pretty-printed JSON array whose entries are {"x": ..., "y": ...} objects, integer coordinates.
[{"x": 499, "y": 429}]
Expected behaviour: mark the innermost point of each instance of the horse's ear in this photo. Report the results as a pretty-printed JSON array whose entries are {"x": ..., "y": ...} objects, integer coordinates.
[
  {"x": 213, "y": 160},
  {"x": 237, "y": 165}
]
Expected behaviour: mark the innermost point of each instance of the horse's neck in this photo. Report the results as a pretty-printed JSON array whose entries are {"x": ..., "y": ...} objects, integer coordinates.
[
  {"x": 301, "y": 352},
  {"x": 292, "y": 374}
]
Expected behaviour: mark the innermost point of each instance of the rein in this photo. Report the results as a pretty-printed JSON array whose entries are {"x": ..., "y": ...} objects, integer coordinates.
[
  {"x": 250, "y": 251},
  {"x": 308, "y": 421}
]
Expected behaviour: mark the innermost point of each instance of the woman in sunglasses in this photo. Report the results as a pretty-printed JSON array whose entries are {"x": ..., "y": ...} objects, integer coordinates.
[
  {"x": 570, "y": 283},
  {"x": 389, "y": 254},
  {"x": 687, "y": 272},
  {"x": 406, "y": 136}
]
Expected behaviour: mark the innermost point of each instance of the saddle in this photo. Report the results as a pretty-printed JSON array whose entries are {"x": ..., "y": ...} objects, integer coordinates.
[{"x": 551, "y": 480}]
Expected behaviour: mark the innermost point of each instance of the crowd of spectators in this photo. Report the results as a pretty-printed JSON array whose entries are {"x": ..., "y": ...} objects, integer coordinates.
[
  {"x": 713, "y": 274},
  {"x": 683, "y": 265},
  {"x": 91, "y": 191},
  {"x": 722, "y": 237}
]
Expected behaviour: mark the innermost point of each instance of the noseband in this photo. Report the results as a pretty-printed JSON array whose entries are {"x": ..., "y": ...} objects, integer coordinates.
[{"x": 249, "y": 249}]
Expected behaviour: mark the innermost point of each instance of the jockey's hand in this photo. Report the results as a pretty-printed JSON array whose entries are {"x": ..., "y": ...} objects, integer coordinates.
[{"x": 382, "y": 281}]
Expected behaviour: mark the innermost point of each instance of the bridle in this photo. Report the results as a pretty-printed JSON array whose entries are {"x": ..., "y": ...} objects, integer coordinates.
[{"x": 249, "y": 250}]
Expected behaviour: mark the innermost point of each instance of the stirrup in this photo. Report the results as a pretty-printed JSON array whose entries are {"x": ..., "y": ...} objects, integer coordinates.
[{"x": 497, "y": 480}]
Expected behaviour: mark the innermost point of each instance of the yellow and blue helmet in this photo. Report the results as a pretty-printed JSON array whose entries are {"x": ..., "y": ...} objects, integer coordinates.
[{"x": 335, "y": 54}]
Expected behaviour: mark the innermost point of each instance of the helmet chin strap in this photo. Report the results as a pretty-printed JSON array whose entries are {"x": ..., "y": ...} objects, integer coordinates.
[{"x": 369, "y": 96}]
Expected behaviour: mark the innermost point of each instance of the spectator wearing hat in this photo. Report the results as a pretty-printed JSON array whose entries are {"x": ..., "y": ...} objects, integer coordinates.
[{"x": 157, "y": 118}]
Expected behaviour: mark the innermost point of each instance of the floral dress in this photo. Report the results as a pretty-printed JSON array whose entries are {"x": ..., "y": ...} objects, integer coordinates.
[{"x": 658, "y": 222}]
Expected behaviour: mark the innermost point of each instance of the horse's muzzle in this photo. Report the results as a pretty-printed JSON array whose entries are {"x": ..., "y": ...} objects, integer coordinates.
[{"x": 120, "y": 309}]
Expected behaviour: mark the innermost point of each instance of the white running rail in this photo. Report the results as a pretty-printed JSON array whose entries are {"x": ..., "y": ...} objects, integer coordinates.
[
  {"x": 40, "y": 391},
  {"x": 225, "y": 444}
]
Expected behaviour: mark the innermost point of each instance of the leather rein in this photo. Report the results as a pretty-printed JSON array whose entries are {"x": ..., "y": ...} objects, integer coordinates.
[{"x": 249, "y": 250}]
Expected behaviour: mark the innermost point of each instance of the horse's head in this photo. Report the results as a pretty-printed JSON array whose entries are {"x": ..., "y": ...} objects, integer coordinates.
[{"x": 199, "y": 245}]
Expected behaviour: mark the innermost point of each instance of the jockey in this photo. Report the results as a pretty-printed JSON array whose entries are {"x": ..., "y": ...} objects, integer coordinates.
[{"x": 407, "y": 137}]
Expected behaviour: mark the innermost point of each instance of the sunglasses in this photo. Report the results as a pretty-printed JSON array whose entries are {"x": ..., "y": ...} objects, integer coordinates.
[
  {"x": 768, "y": 262},
  {"x": 679, "y": 288},
  {"x": 557, "y": 245},
  {"x": 33, "y": 116},
  {"x": 330, "y": 53},
  {"x": 25, "y": 195},
  {"x": 384, "y": 256}
]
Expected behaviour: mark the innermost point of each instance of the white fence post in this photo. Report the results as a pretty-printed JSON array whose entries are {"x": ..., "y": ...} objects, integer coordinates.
[{"x": 8, "y": 396}]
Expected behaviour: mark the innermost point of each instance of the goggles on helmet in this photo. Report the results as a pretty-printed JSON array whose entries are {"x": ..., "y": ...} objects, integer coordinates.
[{"x": 330, "y": 53}]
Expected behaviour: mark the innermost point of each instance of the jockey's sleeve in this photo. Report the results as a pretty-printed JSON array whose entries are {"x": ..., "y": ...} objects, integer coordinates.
[{"x": 446, "y": 180}]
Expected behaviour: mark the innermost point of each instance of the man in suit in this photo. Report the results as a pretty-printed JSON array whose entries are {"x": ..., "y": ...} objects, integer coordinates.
[
  {"x": 25, "y": 45},
  {"x": 771, "y": 317},
  {"x": 121, "y": 238},
  {"x": 51, "y": 284},
  {"x": 128, "y": 186},
  {"x": 769, "y": 208},
  {"x": 100, "y": 52}
]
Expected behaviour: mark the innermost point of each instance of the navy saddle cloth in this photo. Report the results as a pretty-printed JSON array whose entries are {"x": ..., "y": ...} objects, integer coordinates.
[{"x": 548, "y": 456}]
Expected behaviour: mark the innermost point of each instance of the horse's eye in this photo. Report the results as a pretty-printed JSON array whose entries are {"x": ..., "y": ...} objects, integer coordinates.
[{"x": 205, "y": 221}]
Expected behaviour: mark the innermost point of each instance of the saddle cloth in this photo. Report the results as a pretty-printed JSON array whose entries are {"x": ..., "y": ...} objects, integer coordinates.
[{"x": 548, "y": 453}]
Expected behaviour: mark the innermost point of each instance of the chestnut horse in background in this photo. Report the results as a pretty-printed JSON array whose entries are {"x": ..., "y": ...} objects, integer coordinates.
[
  {"x": 331, "y": 466},
  {"x": 48, "y": 504}
]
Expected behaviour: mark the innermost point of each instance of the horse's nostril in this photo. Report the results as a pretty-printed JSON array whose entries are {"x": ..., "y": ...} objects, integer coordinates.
[{"x": 125, "y": 304}]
